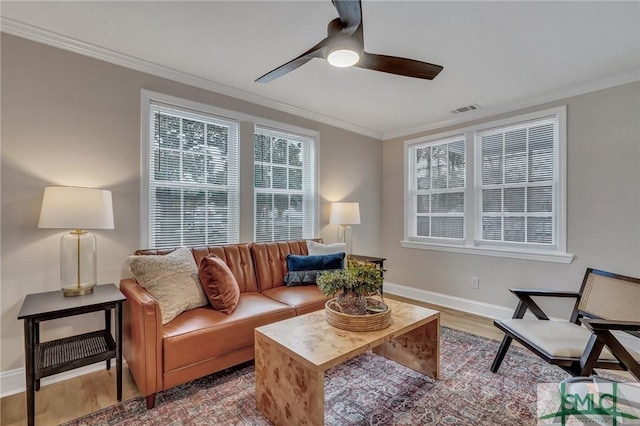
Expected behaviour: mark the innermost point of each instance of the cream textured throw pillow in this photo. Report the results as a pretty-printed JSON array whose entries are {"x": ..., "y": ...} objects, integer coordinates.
[
  {"x": 171, "y": 279},
  {"x": 315, "y": 248}
]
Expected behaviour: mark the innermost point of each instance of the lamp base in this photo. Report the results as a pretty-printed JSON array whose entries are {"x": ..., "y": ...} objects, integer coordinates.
[
  {"x": 345, "y": 236},
  {"x": 77, "y": 263},
  {"x": 78, "y": 291}
]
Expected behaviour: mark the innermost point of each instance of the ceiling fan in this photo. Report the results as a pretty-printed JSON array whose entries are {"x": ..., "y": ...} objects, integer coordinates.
[{"x": 344, "y": 47}]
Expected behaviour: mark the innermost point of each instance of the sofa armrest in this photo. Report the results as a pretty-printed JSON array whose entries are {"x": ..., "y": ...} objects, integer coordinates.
[{"x": 142, "y": 338}]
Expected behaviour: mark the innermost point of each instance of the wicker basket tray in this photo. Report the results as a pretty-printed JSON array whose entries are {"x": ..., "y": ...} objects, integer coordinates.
[{"x": 368, "y": 322}]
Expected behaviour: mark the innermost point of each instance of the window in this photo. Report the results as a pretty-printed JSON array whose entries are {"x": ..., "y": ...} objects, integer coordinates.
[
  {"x": 516, "y": 204},
  {"x": 437, "y": 190},
  {"x": 192, "y": 173},
  {"x": 517, "y": 183},
  {"x": 284, "y": 185}
]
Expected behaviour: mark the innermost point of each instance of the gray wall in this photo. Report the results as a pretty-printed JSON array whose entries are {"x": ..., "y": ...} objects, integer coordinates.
[
  {"x": 603, "y": 219},
  {"x": 72, "y": 120}
]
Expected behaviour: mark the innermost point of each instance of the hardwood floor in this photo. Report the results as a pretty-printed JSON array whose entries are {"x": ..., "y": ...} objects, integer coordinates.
[
  {"x": 64, "y": 401},
  {"x": 474, "y": 324},
  {"x": 67, "y": 400}
]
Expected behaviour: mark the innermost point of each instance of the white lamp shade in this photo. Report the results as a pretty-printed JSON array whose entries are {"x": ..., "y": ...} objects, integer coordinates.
[
  {"x": 345, "y": 214},
  {"x": 76, "y": 208}
]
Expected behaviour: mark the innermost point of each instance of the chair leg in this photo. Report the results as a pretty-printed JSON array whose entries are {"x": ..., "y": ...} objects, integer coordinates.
[{"x": 504, "y": 347}]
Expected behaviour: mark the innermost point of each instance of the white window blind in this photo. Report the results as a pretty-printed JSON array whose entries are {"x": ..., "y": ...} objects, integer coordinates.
[
  {"x": 438, "y": 188},
  {"x": 284, "y": 185},
  {"x": 517, "y": 179},
  {"x": 193, "y": 178}
]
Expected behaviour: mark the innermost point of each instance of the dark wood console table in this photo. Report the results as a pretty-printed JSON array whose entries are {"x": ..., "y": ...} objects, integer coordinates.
[{"x": 55, "y": 356}]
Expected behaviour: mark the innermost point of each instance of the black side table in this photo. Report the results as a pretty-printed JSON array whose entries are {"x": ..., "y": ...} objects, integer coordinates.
[{"x": 55, "y": 356}]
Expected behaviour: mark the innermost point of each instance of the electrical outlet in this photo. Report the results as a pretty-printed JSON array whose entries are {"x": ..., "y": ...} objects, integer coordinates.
[{"x": 475, "y": 282}]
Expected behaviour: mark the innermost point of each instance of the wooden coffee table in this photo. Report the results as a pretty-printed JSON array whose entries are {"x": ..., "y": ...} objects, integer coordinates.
[{"x": 292, "y": 356}]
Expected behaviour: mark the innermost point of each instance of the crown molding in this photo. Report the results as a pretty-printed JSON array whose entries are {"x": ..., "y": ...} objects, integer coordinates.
[
  {"x": 568, "y": 92},
  {"x": 33, "y": 33},
  {"x": 30, "y": 32}
]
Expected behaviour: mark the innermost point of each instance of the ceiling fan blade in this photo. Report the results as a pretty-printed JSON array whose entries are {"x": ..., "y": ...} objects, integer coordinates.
[
  {"x": 350, "y": 12},
  {"x": 399, "y": 66},
  {"x": 316, "y": 51},
  {"x": 284, "y": 69}
]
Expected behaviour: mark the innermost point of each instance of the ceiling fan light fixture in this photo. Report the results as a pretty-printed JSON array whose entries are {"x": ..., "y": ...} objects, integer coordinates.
[
  {"x": 344, "y": 47},
  {"x": 343, "y": 58}
]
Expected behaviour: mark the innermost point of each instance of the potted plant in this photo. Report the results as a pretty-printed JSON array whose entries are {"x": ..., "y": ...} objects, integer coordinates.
[{"x": 352, "y": 286}]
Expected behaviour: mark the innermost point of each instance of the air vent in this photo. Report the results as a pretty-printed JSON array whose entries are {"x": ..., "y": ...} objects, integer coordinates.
[{"x": 466, "y": 108}]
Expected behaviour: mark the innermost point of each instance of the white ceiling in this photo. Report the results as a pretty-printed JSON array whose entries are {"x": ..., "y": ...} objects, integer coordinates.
[{"x": 496, "y": 54}]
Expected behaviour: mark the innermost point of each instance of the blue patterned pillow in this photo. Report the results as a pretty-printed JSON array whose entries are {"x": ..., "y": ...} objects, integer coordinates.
[
  {"x": 295, "y": 278},
  {"x": 319, "y": 262},
  {"x": 303, "y": 270}
]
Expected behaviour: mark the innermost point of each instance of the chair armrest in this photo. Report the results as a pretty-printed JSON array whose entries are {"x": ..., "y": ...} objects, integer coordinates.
[
  {"x": 142, "y": 339},
  {"x": 526, "y": 302},
  {"x": 542, "y": 292},
  {"x": 602, "y": 336},
  {"x": 597, "y": 325}
]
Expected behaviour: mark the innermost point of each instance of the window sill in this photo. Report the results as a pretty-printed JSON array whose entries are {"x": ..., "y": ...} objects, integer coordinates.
[{"x": 553, "y": 257}]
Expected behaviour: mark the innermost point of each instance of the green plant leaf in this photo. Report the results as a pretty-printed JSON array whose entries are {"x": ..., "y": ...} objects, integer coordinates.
[{"x": 362, "y": 279}]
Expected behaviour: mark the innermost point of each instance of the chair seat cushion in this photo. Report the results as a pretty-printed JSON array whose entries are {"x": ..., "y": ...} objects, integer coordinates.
[{"x": 557, "y": 339}]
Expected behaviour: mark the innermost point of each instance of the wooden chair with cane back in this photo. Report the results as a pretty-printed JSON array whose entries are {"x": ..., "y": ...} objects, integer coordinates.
[{"x": 611, "y": 300}]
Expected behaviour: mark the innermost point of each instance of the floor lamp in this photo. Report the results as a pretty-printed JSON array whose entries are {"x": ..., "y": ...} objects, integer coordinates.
[
  {"x": 77, "y": 209},
  {"x": 345, "y": 214}
]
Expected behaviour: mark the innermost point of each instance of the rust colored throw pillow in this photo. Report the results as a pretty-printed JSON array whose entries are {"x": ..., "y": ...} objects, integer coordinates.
[{"x": 219, "y": 284}]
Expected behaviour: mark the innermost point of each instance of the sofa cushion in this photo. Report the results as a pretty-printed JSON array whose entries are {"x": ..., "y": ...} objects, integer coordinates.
[
  {"x": 312, "y": 263},
  {"x": 219, "y": 284},
  {"x": 270, "y": 260},
  {"x": 315, "y": 248},
  {"x": 204, "y": 333},
  {"x": 304, "y": 299},
  {"x": 298, "y": 278},
  {"x": 171, "y": 279},
  {"x": 304, "y": 270},
  {"x": 239, "y": 260}
]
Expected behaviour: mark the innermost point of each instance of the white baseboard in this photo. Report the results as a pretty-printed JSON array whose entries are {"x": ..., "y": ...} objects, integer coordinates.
[
  {"x": 14, "y": 381},
  {"x": 458, "y": 303}
]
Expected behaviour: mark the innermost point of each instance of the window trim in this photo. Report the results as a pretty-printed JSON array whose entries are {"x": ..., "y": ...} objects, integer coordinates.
[{"x": 468, "y": 245}]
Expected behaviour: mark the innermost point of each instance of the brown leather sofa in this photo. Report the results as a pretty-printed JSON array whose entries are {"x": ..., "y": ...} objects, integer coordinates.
[{"x": 202, "y": 341}]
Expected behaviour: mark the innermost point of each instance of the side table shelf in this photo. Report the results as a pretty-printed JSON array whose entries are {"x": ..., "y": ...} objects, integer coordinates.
[{"x": 56, "y": 356}]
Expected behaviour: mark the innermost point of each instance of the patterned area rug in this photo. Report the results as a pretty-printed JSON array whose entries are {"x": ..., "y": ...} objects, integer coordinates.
[{"x": 366, "y": 390}]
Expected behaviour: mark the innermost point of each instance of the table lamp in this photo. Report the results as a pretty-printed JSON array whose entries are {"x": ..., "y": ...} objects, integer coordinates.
[
  {"x": 78, "y": 209},
  {"x": 345, "y": 214}
]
